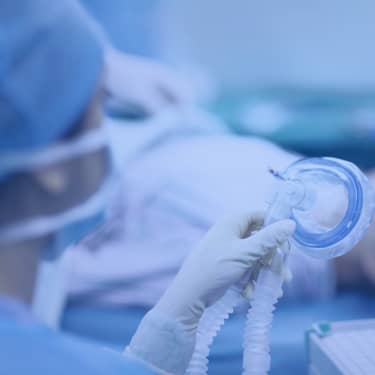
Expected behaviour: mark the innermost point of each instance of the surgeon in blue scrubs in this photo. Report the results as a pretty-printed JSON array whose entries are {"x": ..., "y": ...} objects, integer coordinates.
[{"x": 55, "y": 177}]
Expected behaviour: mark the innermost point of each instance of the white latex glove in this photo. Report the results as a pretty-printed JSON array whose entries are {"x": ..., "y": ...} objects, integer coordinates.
[
  {"x": 141, "y": 86},
  {"x": 166, "y": 336}
]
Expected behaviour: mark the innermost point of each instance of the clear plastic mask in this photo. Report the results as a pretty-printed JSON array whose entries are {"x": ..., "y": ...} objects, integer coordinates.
[{"x": 331, "y": 201}]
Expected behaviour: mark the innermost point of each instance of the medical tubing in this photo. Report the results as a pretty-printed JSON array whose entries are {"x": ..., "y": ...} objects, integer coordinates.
[
  {"x": 268, "y": 290},
  {"x": 209, "y": 326}
]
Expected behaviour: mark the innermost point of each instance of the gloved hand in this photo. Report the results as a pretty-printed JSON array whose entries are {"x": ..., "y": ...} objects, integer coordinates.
[
  {"x": 225, "y": 255},
  {"x": 142, "y": 87}
]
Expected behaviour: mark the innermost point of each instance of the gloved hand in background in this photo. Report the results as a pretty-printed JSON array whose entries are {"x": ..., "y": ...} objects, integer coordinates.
[
  {"x": 166, "y": 336},
  {"x": 143, "y": 87}
]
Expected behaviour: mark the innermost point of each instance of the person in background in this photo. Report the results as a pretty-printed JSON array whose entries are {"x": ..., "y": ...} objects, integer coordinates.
[
  {"x": 138, "y": 86},
  {"x": 312, "y": 279},
  {"x": 55, "y": 176}
]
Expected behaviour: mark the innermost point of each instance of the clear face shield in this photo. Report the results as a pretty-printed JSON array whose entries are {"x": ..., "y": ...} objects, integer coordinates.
[{"x": 51, "y": 198}]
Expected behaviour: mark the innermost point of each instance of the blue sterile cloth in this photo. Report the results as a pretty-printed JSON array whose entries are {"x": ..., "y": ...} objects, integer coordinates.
[
  {"x": 115, "y": 326},
  {"x": 30, "y": 348}
]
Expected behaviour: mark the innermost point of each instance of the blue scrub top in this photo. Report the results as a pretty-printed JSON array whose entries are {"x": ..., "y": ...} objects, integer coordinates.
[{"x": 30, "y": 348}]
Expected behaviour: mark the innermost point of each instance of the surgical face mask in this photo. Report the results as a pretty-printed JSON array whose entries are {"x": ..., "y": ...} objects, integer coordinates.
[
  {"x": 331, "y": 201},
  {"x": 57, "y": 195},
  {"x": 50, "y": 291}
]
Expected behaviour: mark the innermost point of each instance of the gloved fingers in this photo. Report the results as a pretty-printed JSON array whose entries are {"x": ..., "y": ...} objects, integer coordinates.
[
  {"x": 126, "y": 109},
  {"x": 253, "y": 277},
  {"x": 167, "y": 85},
  {"x": 282, "y": 269},
  {"x": 266, "y": 260},
  {"x": 262, "y": 262},
  {"x": 273, "y": 235},
  {"x": 287, "y": 274},
  {"x": 173, "y": 86},
  {"x": 169, "y": 96},
  {"x": 242, "y": 225},
  {"x": 144, "y": 102},
  {"x": 170, "y": 89},
  {"x": 248, "y": 291},
  {"x": 265, "y": 241},
  {"x": 153, "y": 101},
  {"x": 139, "y": 82},
  {"x": 149, "y": 97},
  {"x": 249, "y": 288}
]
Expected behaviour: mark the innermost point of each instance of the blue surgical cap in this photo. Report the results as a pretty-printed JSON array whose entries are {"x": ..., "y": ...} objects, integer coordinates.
[{"x": 51, "y": 59}]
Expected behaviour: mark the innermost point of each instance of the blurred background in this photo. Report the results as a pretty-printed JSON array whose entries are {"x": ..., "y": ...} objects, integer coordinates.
[{"x": 298, "y": 73}]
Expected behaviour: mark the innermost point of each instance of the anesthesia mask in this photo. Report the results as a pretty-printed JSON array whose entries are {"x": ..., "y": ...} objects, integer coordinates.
[
  {"x": 332, "y": 204},
  {"x": 331, "y": 201}
]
